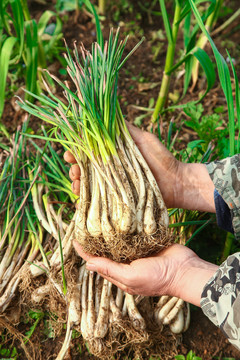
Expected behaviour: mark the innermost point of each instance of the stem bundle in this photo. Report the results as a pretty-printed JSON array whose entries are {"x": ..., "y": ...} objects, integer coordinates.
[{"x": 121, "y": 212}]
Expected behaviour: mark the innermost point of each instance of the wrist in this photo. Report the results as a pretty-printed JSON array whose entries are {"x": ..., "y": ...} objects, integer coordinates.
[
  {"x": 192, "y": 278},
  {"x": 194, "y": 188}
]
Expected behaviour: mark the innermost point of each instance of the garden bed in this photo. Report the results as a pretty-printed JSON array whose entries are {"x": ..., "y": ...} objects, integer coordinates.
[{"x": 139, "y": 82}]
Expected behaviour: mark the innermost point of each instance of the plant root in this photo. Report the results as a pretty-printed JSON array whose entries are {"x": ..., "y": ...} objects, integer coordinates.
[
  {"x": 122, "y": 248},
  {"x": 4, "y": 324}
]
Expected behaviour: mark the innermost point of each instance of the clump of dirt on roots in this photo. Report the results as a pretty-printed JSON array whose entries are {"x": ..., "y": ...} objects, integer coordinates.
[{"x": 129, "y": 247}]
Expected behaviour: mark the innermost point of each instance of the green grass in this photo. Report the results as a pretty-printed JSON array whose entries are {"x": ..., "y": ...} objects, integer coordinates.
[{"x": 26, "y": 47}]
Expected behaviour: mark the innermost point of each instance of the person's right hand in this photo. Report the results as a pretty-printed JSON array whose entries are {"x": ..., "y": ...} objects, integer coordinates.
[
  {"x": 182, "y": 185},
  {"x": 162, "y": 163},
  {"x": 175, "y": 271}
]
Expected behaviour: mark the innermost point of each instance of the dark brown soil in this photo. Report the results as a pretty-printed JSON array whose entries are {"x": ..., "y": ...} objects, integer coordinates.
[
  {"x": 134, "y": 88},
  {"x": 206, "y": 340}
]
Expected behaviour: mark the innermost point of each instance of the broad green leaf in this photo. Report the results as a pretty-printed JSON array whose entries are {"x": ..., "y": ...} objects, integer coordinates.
[
  {"x": 188, "y": 74},
  {"x": 4, "y": 17},
  {"x": 18, "y": 23},
  {"x": 206, "y": 64},
  {"x": 208, "y": 68}
]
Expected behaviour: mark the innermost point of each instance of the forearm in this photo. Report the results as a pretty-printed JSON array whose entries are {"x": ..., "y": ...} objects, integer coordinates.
[{"x": 194, "y": 188}]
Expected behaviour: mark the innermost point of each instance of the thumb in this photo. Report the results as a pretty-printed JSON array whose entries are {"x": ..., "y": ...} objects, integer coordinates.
[{"x": 135, "y": 132}]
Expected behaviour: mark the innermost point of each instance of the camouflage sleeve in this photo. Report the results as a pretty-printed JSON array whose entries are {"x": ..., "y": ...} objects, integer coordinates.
[
  {"x": 221, "y": 299},
  {"x": 225, "y": 175}
]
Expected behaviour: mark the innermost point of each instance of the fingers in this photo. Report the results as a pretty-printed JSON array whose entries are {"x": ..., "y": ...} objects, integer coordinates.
[
  {"x": 76, "y": 187},
  {"x": 116, "y": 273},
  {"x": 68, "y": 156},
  {"x": 74, "y": 172},
  {"x": 106, "y": 267},
  {"x": 135, "y": 132},
  {"x": 81, "y": 253},
  {"x": 118, "y": 284}
]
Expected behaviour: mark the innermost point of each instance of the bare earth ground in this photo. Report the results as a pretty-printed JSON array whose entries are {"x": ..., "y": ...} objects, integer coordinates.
[{"x": 134, "y": 87}]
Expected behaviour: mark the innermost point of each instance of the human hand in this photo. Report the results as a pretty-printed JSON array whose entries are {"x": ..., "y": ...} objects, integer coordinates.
[
  {"x": 175, "y": 271},
  {"x": 180, "y": 183}
]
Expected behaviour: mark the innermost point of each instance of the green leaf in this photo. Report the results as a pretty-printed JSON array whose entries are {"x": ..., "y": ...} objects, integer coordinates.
[
  {"x": 31, "y": 57},
  {"x": 208, "y": 68},
  {"x": 91, "y": 8},
  {"x": 187, "y": 8},
  {"x": 166, "y": 21},
  {"x": 18, "y": 23},
  {"x": 190, "y": 355},
  {"x": 43, "y": 21},
  {"x": 186, "y": 29},
  {"x": 4, "y": 17},
  {"x": 237, "y": 96},
  {"x": 206, "y": 64},
  {"x": 5, "y": 56},
  {"x": 224, "y": 76},
  {"x": 34, "y": 314}
]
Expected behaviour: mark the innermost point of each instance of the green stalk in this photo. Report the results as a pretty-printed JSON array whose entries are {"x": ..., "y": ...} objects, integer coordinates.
[
  {"x": 202, "y": 41},
  {"x": 77, "y": 9},
  {"x": 62, "y": 265},
  {"x": 102, "y": 6},
  {"x": 224, "y": 77},
  {"x": 226, "y": 23},
  {"x": 163, "y": 93},
  {"x": 25, "y": 10}
]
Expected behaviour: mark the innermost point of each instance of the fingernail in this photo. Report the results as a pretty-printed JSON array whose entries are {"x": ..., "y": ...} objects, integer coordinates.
[{"x": 91, "y": 267}]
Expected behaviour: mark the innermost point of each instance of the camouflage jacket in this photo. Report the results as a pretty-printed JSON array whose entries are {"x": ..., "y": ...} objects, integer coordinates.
[{"x": 221, "y": 295}]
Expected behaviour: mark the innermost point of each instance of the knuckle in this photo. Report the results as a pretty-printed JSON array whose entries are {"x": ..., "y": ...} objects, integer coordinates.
[
  {"x": 104, "y": 271},
  {"x": 76, "y": 187}
]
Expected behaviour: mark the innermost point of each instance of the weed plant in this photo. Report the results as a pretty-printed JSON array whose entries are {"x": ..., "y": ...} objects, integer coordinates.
[{"x": 26, "y": 47}]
